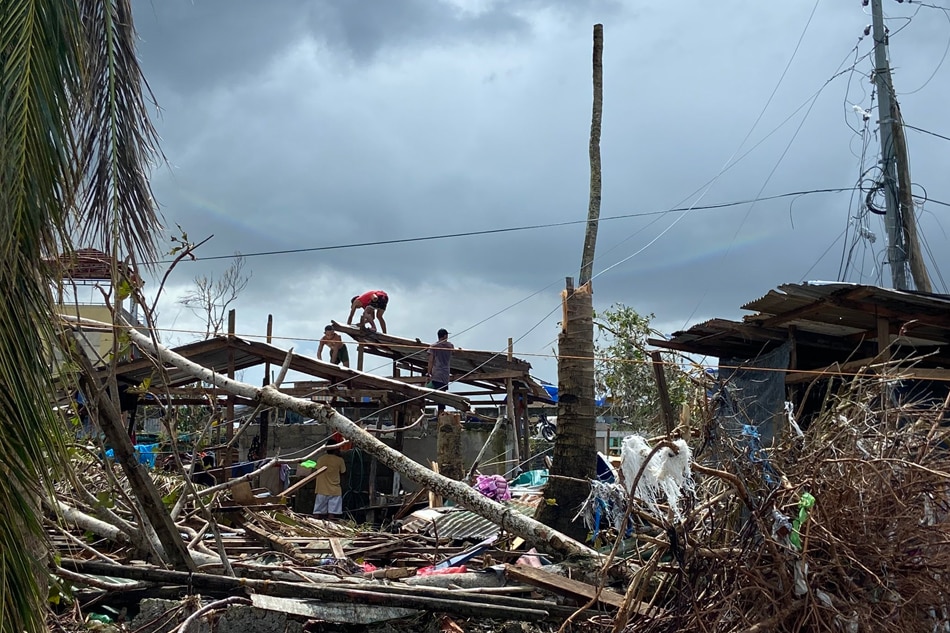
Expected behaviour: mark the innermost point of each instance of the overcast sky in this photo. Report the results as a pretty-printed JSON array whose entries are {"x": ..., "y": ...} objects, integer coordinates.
[{"x": 294, "y": 124}]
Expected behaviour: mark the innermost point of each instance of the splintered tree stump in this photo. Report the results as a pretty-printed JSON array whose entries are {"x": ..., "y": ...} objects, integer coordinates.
[{"x": 450, "y": 446}]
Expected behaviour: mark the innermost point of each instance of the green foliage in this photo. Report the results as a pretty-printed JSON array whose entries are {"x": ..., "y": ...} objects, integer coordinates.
[{"x": 623, "y": 369}]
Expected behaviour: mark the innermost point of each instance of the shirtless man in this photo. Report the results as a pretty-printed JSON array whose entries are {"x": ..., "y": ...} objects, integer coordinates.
[
  {"x": 378, "y": 300},
  {"x": 332, "y": 340}
]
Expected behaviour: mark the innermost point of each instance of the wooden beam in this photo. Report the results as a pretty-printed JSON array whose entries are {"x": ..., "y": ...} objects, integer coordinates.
[
  {"x": 300, "y": 484},
  {"x": 835, "y": 369},
  {"x": 666, "y": 407},
  {"x": 884, "y": 338},
  {"x": 562, "y": 586}
]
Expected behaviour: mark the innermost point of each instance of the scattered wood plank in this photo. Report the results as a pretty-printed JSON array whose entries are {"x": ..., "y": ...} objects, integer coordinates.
[
  {"x": 562, "y": 586},
  {"x": 243, "y": 495},
  {"x": 303, "y": 482},
  {"x": 457, "y": 603},
  {"x": 390, "y": 573},
  {"x": 280, "y": 544},
  {"x": 342, "y": 612},
  {"x": 336, "y": 546}
]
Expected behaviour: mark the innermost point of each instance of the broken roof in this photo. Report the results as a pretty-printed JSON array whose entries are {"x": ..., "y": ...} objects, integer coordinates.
[
  {"x": 488, "y": 370},
  {"x": 230, "y": 352},
  {"x": 827, "y": 321}
]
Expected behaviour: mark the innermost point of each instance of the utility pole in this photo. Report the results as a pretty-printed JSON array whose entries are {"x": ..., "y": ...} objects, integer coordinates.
[{"x": 896, "y": 252}]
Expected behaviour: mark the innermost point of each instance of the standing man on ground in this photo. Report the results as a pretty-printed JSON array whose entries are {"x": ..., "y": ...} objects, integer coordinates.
[
  {"x": 338, "y": 352},
  {"x": 329, "y": 501},
  {"x": 376, "y": 299},
  {"x": 440, "y": 364}
]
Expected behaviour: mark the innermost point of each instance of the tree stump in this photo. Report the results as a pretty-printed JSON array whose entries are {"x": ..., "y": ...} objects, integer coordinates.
[{"x": 450, "y": 446}]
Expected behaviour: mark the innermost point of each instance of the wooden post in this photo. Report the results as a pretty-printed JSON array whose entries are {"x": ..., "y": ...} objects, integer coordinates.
[
  {"x": 230, "y": 406},
  {"x": 509, "y": 386},
  {"x": 399, "y": 421},
  {"x": 268, "y": 411},
  {"x": 450, "y": 445},
  {"x": 666, "y": 407},
  {"x": 523, "y": 426},
  {"x": 793, "y": 347},
  {"x": 884, "y": 339},
  {"x": 918, "y": 269}
]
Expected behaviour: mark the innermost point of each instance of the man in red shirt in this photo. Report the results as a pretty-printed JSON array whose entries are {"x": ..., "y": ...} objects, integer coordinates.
[{"x": 375, "y": 299}]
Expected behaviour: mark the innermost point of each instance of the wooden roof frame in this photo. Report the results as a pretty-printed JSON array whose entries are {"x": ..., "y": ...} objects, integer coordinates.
[
  {"x": 230, "y": 352},
  {"x": 483, "y": 369}
]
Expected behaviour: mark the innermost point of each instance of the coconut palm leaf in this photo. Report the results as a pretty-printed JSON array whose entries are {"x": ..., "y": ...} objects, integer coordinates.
[
  {"x": 117, "y": 141},
  {"x": 36, "y": 180},
  {"x": 60, "y": 61}
]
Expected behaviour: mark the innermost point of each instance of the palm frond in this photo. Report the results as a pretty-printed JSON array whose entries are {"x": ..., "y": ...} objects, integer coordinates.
[
  {"x": 74, "y": 145},
  {"x": 38, "y": 71},
  {"x": 117, "y": 141}
]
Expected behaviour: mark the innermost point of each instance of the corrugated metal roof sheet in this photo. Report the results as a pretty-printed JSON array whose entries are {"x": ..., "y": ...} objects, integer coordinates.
[{"x": 459, "y": 524}]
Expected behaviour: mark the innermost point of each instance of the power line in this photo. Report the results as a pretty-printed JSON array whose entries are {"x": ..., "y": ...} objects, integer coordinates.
[
  {"x": 513, "y": 229},
  {"x": 911, "y": 127}
]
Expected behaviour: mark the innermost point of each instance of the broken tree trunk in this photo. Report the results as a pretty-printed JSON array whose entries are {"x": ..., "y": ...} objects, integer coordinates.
[
  {"x": 534, "y": 532},
  {"x": 110, "y": 421},
  {"x": 574, "y": 448},
  {"x": 574, "y": 459}
]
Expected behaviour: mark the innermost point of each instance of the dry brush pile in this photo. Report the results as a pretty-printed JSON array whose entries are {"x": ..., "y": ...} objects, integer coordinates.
[{"x": 841, "y": 528}]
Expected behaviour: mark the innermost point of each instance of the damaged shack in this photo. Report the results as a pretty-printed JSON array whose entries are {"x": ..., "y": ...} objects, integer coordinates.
[{"x": 837, "y": 522}]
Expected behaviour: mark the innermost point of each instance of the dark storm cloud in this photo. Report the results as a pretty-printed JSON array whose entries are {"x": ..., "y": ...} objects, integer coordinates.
[
  {"x": 364, "y": 29},
  {"x": 196, "y": 45},
  {"x": 294, "y": 125}
]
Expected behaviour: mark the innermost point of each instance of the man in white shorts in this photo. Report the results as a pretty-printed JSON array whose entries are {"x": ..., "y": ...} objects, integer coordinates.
[{"x": 329, "y": 501}]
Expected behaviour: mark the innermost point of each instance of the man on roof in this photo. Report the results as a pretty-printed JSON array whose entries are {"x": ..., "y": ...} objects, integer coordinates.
[
  {"x": 375, "y": 299},
  {"x": 338, "y": 352}
]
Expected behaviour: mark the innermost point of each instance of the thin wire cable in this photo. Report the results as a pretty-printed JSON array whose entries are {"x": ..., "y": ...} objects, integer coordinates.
[
  {"x": 725, "y": 165},
  {"x": 943, "y": 58},
  {"x": 917, "y": 129},
  {"x": 313, "y": 249},
  {"x": 810, "y": 103}
]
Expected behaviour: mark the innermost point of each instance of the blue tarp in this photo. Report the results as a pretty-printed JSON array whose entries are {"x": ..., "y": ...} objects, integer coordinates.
[{"x": 144, "y": 452}]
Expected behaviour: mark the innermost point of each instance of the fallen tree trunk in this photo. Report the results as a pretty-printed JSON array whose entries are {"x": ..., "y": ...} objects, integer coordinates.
[
  {"x": 541, "y": 536},
  {"x": 90, "y": 523},
  {"x": 105, "y": 407},
  {"x": 115, "y": 534}
]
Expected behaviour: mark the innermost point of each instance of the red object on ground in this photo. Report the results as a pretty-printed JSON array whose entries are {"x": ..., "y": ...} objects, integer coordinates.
[{"x": 432, "y": 571}]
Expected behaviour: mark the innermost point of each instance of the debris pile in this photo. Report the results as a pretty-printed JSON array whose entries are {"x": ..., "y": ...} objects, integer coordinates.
[{"x": 841, "y": 526}]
